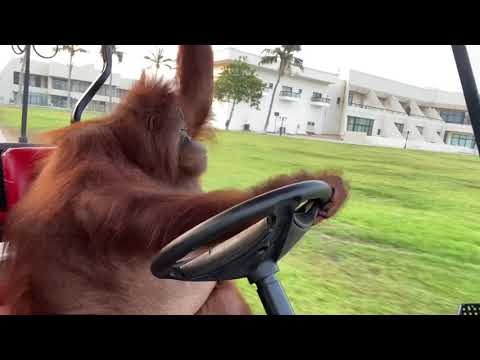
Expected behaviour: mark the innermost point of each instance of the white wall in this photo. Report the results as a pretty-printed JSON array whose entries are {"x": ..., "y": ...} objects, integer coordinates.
[{"x": 298, "y": 111}]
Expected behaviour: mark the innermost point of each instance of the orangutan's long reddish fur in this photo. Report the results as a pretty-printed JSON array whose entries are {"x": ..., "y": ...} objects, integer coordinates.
[{"x": 122, "y": 187}]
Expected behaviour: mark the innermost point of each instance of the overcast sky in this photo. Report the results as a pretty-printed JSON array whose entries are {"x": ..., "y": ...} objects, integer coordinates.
[{"x": 421, "y": 65}]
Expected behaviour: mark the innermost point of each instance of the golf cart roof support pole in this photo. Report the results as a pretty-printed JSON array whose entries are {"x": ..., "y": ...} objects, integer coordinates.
[
  {"x": 469, "y": 86},
  {"x": 107, "y": 52},
  {"x": 26, "y": 84}
]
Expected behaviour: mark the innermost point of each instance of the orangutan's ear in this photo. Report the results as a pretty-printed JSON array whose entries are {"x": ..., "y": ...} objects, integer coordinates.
[{"x": 195, "y": 83}]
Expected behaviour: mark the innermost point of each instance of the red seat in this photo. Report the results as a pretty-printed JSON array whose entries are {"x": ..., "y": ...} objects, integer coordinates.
[{"x": 17, "y": 167}]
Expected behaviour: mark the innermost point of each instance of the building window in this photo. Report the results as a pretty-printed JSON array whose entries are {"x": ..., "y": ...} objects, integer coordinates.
[
  {"x": 439, "y": 134},
  {"x": 37, "y": 99},
  {"x": 287, "y": 90},
  {"x": 97, "y": 106},
  {"x": 465, "y": 140},
  {"x": 35, "y": 80},
  {"x": 121, "y": 92},
  {"x": 420, "y": 129},
  {"x": 33, "y": 98},
  {"x": 400, "y": 127},
  {"x": 59, "y": 101},
  {"x": 59, "y": 84},
  {"x": 311, "y": 124},
  {"x": 338, "y": 100},
  {"x": 379, "y": 131},
  {"x": 80, "y": 86},
  {"x": 455, "y": 117},
  {"x": 350, "y": 98},
  {"x": 101, "y": 106},
  {"x": 104, "y": 90},
  {"x": 317, "y": 97},
  {"x": 360, "y": 125}
]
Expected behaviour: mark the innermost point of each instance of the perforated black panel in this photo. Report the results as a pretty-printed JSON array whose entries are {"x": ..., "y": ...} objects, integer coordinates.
[{"x": 469, "y": 309}]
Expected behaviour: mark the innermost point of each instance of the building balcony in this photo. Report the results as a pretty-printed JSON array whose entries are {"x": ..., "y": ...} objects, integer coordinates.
[
  {"x": 461, "y": 128},
  {"x": 368, "y": 107},
  {"x": 289, "y": 96},
  {"x": 320, "y": 101}
]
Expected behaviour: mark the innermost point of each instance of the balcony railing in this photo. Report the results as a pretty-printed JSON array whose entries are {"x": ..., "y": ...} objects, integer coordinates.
[
  {"x": 429, "y": 117},
  {"x": 320, "y": 99},
  {"x": 289, "y": 94},
  {"x": 376, "y": 108},
  {"x": 390, "y": 111}
]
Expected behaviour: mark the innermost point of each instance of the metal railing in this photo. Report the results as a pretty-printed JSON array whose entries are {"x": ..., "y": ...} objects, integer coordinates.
[
  {"x": 391, "y": 111},
  {"x": 376, "y": 108},
  {"x": 291, "y": 94},
  {"x": 320, "y": 99}
]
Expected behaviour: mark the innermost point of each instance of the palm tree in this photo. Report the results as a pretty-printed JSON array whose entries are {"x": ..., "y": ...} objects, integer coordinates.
[
  {"x": 284, "y": 54},
  {"x": 72, "y": 51},
  {"x": 157, "y": 58},
  {"x": 119, "y": 54}
]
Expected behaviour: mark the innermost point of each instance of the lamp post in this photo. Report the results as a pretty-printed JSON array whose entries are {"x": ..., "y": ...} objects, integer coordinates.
[
  {"x": 26, "y": 83},
  {"x": 282, "y": 125},
  {"x": 276, "y": 114},
  {"x": 406, "y": 139}
]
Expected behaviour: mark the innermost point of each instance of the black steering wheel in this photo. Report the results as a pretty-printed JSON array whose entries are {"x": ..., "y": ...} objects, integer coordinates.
[{"x": 281, "y": 216}]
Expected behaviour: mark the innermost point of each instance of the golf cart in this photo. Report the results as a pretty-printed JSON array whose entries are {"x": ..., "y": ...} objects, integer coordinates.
[{"x": 287, "y": 213}]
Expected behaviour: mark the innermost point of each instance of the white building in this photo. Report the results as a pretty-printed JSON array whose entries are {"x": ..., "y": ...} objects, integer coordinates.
[
  {"x": 363, "y": 109},
  {"x": 304, "y": 102},
  {"x": 384, "y": 112},
  {"x": 48, "y": 85}
]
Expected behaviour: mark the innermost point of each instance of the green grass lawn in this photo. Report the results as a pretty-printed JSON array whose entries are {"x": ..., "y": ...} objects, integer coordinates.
[
  {"x": 38, "y": 119},
  {"x": 407, "y": 241}
]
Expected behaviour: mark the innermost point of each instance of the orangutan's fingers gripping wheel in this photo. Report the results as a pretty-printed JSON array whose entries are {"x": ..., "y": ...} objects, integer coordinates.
[{"x": 282, "y": 217}]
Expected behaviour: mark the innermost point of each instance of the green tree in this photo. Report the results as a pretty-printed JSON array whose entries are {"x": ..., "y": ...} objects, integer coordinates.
[
  {"x": 157, "y": 58},
  {"x": 238, "y": 83},
  {"x": 72, "y": 50},
  {"x": 285, "y": 54}
]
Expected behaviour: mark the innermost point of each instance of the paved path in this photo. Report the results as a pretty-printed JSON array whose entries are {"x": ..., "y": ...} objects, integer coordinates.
[{"x": 2, "y": 137}]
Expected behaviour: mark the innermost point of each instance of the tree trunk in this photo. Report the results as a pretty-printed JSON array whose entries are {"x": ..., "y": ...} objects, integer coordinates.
[
  {"x": 69, "y": 83},
  {"x": 227, "y": 124},
  {"x": 110, "y": 94},
  {"x": 156, "y": 72},
  {"x": 271, "y": 103}
]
